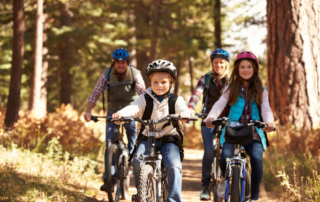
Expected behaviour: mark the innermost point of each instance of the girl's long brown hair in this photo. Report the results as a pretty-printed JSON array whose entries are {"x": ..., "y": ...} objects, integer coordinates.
[{"x": 235, "y": 83}]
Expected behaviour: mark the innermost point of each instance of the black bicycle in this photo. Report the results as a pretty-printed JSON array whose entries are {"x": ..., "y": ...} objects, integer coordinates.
[
  {"x": 216, "y": 152},
  {"x": 119, "y": 182},
  {"x": 153, "y": 183}
]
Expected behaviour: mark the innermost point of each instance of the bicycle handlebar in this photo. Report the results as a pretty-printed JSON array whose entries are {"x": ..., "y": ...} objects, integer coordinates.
[
  {"x": 95, "y": 118},
  {"x": 169, "y": 117},
  {"x": 260, "y": 124},
  {"x": 201, "y": 115},
  {"x": 225, "y": 121}
]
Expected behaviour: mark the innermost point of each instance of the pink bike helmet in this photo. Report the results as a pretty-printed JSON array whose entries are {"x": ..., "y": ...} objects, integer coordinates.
[{"x": 246, "y": 55}]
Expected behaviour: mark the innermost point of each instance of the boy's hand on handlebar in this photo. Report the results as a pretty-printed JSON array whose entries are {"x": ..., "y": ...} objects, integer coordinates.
[
  {"x": 185, "y": 114},
  {"x": 270, "y": 127},
  {"x": 192, "y": 112},
  {"x": 208, "y": 122},
  {"x": 87, "y": 116},
  {"x": 117, "y": 115}
]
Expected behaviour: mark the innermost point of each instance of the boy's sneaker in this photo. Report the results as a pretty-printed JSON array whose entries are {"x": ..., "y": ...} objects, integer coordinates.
[
  {"x": 204, "y": 194},
  {"x": 221, "y": 187},
  {"x": 135, "y": 198}
]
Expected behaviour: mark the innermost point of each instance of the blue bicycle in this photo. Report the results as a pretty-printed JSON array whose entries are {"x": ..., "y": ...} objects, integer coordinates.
[{"x": 238, "y": 181}]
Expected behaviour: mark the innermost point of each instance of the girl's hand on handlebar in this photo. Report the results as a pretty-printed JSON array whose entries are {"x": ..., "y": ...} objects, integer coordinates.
[
  {"x": 117, "y": 115},
  {"x": 208, "y": 121},
  {"x": 185, "y": 114},
  {"x": 269, "y": 128},
  {"x": 87, "y": 116}
]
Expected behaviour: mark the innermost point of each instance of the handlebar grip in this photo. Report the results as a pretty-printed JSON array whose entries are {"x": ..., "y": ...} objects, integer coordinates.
[
  {"x": 94, "y": 118},
  {"x": 193, "y": 118}
]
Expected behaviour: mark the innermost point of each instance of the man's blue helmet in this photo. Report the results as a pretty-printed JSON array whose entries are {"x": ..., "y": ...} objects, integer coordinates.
[
  {"x": 220, "y": 53},
  {"x": 120, "y": 54}
]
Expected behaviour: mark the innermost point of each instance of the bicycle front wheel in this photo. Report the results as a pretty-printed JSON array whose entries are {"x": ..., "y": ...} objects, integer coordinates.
[
  {"x": 111, "y": 179},
  {"x": 147, "y": 184},
  {"x": 235, "y": 187},
  {"x": 125, "y": 178}
]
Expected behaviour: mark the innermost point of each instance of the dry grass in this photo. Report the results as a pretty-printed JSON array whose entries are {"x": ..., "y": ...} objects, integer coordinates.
[
  {"x": 29, "y": 176},
  {"x": 291, "y": 165}
]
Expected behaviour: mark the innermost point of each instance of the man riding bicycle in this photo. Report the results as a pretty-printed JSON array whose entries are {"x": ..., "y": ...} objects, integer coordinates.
[{"x": 123, "y": 84}]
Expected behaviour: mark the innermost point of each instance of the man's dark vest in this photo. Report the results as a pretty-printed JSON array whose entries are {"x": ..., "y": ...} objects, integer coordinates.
[
  {"x": 212, "y": 92},
  {"x": 121, "y": 93}
]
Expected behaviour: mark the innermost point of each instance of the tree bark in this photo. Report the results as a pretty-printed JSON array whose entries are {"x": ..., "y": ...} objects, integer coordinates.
[
  {"x": 17, "y": 62},
  {"x": 141, "y": 22},
  {"x": 65, "y": 76},
  {"x": 37, "y": 104},
  {"x": 217, "y": 23},
  {"x": 294, "y": 61},
  {"x": 155, "y": 24},
  {"x": 177, "y": 83},
  {"x": 191, "y": 73}
]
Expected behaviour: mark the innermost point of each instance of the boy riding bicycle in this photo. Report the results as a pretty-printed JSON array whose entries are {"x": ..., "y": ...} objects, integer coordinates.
[{"x": 162, "y": 74}]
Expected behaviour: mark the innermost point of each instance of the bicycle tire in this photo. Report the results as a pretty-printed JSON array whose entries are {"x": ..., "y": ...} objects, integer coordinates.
[
  {"x": 214, "y": 185},
  {"x": 147, "y": 184},
  {"x": 125, "y": 178},
  {"x": 112, "y": 190},
  {"x": 248, "y": 184},
  {"x": 164, "y": 186},
  {"x": 235, "y": 187}
]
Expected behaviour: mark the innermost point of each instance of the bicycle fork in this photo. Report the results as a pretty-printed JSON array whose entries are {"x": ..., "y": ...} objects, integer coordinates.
[
  {"x": 159, "y": 176},
  {"x": 231, "y": 162}
]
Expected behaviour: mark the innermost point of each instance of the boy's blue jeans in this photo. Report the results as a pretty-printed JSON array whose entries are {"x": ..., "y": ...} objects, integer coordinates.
[
  {"x": 255, "y": 151},
  {"x": 131, "y": 134},
  {"x": 171, "y": 160},
  {"x": 207, "y": 159}
]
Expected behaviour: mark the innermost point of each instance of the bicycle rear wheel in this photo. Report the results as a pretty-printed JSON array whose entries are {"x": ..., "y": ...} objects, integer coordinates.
[
  {"x": 215, "y": 167},
  {"x": 112, "y": 180},
  {"x": 248, "y": 185},
  {"x": 164, "y": 186},
  {"x": 235, "y": 187},
  {"x": 147, "y": 188},
  {"x": 125, "y": 178}
]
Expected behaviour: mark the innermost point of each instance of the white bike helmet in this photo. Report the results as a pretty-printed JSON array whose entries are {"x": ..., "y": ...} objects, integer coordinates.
[{"x": 162, "y": 66}]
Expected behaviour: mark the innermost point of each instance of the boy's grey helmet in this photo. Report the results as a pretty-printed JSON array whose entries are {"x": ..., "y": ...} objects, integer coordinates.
[{"x": 162, "y": 66}]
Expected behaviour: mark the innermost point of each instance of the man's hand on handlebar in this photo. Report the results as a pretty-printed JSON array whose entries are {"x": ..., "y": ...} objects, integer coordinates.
[
  {"x": 87, "y": 116},
  {"x": 270, "y": 127}
]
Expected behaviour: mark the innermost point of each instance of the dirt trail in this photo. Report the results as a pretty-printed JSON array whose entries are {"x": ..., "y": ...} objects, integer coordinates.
[{"x": 191, "y": 181}]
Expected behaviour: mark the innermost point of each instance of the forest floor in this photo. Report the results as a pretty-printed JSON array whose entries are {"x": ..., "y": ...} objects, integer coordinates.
[{"x": 191, "y": 186}]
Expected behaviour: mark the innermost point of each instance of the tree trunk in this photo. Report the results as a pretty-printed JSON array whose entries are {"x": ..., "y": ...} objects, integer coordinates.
[
  {"x": 191, "y": 73},
  {"x": 217, "y": 23},
  {"x": 155, "y": 24},
  {"x": 293, "y": 61},
  {"x": 141, "y": 22},
  {"x": 177, "y": 83},
  {"x": 38, "y": 107},
  {"x": 17, "y": 61},
  {"x": 65, "y": 77}
]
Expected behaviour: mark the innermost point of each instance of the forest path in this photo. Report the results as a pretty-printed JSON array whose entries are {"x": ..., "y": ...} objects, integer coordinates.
[{"x": 191, "y": 181}]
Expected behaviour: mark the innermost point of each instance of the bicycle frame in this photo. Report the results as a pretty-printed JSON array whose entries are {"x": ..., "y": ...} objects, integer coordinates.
[
  {"x": 153, "y": 158},
  {"x": 231, "y": 162}
]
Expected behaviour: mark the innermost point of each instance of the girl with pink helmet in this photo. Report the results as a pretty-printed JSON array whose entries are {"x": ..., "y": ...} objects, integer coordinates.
[{"x": 248, "y": 100}]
